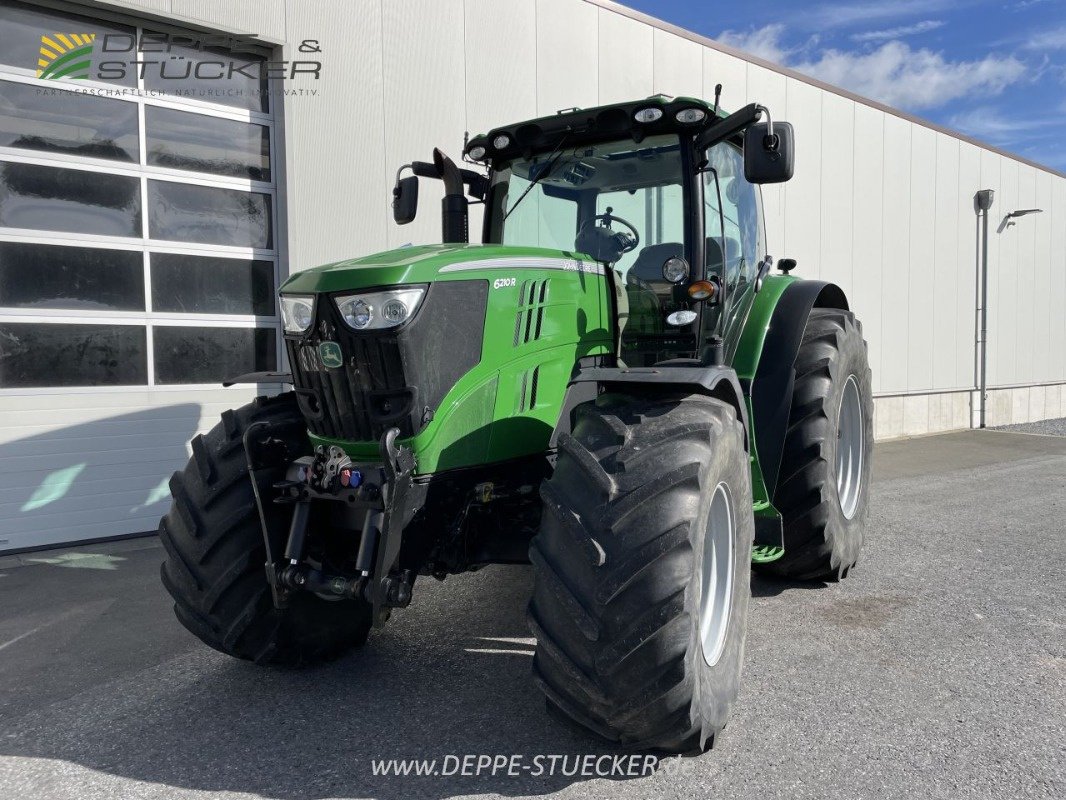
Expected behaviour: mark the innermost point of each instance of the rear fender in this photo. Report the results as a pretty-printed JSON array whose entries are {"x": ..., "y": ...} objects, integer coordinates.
[{"x": 765, "y": 363}]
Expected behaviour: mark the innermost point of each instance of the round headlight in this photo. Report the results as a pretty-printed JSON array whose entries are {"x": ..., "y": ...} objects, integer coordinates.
[
  {"x": 297, "y": 313},
  {"x": 675, "y": 269},
  {"x": 689, "y": 115},
  {"x": 301, "y": 315},
  {"x": 683, "y": 317},
  {"x": 477, "y": 153},
  {"x": 394, "y": 311},
  {"x": 357, "y": 313},
  {"x": 648, "y": 114},
  {"x": 501, "y": 141}
]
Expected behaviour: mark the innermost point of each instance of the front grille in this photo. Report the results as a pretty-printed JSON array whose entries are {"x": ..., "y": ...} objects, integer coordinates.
[
  {"x": 360, "y": 400},
  {"x": 392, "y": 378}
]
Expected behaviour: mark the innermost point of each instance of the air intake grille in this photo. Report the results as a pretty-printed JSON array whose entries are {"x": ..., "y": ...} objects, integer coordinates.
[
  {"x": 530, "y": 317},
  {"x": 526, "y": 397}
]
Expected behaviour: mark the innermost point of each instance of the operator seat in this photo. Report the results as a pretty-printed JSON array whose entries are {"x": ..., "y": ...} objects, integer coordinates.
[{"x": 648, "y": 266}]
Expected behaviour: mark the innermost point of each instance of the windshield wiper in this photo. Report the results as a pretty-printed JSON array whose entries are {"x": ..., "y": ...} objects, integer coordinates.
[{"x": 553, "y": 159}]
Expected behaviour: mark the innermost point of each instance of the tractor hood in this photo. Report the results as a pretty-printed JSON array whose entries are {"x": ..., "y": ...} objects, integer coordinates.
[
  {"x": 430, "y": 263},
  {"x": 476, "y": 375}
]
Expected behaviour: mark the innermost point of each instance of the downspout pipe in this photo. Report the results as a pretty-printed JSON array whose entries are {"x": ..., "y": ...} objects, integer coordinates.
[{"x": 982, "y": 204}]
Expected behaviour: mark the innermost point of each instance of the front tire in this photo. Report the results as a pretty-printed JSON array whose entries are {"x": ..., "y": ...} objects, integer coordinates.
[
  {"x": 823, "y": 492},
  {"x": 641, "y": 571},
  {"x": 214, "y": 568}
]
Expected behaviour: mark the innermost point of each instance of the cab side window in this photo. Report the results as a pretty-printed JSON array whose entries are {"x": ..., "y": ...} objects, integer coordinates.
[
  {"x": 731, "y": 217},
  {"x": 733, "y": 227}
]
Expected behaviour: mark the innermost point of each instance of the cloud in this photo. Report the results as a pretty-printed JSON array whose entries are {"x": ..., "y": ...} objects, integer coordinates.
[
  {"x": 1053, "y": 39},
  {"x": 893, "y": 73},
  {"x": 895, "y": 33},
  {"x": 762, "y": 42},
  {"x": 832, "y": 15},
  {"x": 899, "y": 76},
  {"x": 1021, "y": 5},
  {"x": 989, "y": 124}
]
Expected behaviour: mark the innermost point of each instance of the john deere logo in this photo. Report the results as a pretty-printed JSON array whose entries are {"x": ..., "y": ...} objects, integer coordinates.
[
  {"x": 65, "y": 55},
  {"x": 330, "y": 353}
]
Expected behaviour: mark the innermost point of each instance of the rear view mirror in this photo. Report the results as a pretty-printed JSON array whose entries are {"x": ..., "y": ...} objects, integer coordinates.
[
  {"x": 768, "y": 159},
  {"x": 405, "y": 199}
]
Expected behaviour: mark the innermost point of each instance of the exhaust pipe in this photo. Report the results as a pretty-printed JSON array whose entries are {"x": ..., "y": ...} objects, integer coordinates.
[{"x": 455, "y": 226}]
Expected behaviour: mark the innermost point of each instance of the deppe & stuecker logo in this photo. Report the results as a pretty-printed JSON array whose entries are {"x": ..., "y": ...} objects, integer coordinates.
[{"x": 163, "y": 56}]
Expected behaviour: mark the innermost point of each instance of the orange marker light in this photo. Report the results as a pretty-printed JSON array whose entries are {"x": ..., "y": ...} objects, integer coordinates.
[{"x": 702, "y": 290}]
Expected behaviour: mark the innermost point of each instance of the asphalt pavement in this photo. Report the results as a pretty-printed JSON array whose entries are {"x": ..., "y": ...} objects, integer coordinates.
[{"x": 936, "y": 670}]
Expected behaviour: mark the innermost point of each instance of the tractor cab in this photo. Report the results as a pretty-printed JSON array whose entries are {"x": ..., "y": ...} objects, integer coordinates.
[{"x": 657, "y": 190}]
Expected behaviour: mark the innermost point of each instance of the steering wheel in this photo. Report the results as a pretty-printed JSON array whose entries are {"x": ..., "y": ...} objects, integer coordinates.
[{"x": 602, "y": 242}]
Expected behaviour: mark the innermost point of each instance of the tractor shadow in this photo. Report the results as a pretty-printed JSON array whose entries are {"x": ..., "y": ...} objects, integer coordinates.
[
  {"x": 92, "y": 479},
  {"x": 447, "y": 677},
  {"x": 768, "y": 586}
]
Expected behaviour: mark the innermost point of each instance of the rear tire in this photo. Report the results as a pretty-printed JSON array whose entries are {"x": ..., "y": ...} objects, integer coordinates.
[
  {"x": 214, "y": 568},
  {"x": 643, "y": 491},
  {"x": 823, "y": 489}
]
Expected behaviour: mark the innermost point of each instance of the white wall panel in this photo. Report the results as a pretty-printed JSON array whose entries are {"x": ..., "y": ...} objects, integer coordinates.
[
  {"x": 501, "y": 63},
  {"x": 501, "y": 78},
  {"x": 766, "y": 87},
  {"x": 627, "y": 62},
  {"x": 895, "y": 277},
  {"x": 1039, "y": 349},
  {"x": 732, "y": 73},
  {"x": 965, "y": 267},
  {"x": 867, "y": 242},
  {"x": 263, "y": 17},
  {"x": 567, "y": 55},
  {"x": 133, "y": 6},
  {"x": 1026, "y": 306},
  {"x": 425, "y": 99},
  {"x": 944, "y": 267},
  {"x": 336, "y": 191},
  {"x": 678, "y": 66},
  {"x": 919, "y": 301},
  {"x": 1057, "y": 222},
  {"x": 1003, "y": 281},
  {"x": 837, "y": 167},
  {"x": 803, "y": 194}
]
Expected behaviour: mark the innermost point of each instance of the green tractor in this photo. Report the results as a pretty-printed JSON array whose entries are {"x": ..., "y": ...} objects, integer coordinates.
[{"x": 613, "y": 387}]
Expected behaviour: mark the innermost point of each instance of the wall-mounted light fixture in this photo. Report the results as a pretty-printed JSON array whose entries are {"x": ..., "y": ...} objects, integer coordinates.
[{"x": 1008, "y": 220}]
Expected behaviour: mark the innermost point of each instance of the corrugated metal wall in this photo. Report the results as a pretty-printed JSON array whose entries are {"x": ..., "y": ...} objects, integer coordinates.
[{"x": 879, "y": 203}]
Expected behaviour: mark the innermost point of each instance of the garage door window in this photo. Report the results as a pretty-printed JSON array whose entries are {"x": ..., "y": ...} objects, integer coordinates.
[{"x": 138, "y": 218}]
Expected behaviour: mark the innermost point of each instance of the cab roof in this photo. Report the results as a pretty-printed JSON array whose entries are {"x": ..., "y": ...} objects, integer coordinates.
[{"x": 635, "y": 119}]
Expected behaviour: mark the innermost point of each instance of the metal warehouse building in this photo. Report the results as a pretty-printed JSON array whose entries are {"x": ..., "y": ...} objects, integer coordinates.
[{"x": 146, "y": 221}]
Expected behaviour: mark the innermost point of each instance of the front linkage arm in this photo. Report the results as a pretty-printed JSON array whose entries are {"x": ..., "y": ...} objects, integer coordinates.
[{"x": 383, "y": 491}]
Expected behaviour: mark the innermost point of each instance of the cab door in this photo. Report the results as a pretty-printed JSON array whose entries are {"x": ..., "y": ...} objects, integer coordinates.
[{"x": 735, "y": 242}]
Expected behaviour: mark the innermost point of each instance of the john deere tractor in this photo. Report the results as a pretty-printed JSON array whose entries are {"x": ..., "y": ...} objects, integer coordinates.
[{"x": 615, "y": 387}]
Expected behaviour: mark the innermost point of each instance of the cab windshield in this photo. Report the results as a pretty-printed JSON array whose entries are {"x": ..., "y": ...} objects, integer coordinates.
[
  {"x": 553, "y": 200},
  {"x": 544, "y": 201}
]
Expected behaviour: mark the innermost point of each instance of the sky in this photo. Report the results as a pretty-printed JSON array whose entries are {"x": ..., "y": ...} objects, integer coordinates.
[{"x": 992, "y": 69}]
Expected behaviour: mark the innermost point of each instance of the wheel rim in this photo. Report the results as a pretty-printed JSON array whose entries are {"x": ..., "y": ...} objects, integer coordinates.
[
  {"x": 718, "y": 556},
  {"x": 851, "y": 434}
]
